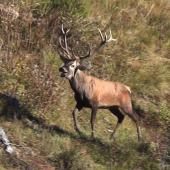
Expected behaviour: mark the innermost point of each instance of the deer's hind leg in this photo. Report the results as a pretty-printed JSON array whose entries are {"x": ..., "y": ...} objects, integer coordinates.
[
  {"x": 135, "y": 117},
  {"x": 93, "y": 116},
  {"x": 120, "y": 117}
]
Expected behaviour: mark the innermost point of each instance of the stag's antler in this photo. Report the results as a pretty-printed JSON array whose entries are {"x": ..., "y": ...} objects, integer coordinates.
[
  {"x": 103, "y": 41},
  {"x": 65, "y": 49}
]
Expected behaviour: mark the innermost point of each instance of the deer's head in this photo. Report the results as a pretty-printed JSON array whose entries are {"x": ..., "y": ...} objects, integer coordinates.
[
  {"x": 72, "y": 63},
  {"x": 70, "y": 67}
]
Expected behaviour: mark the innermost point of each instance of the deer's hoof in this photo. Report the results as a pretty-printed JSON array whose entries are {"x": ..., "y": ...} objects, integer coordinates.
[
  {"x": 139, "y": 138},
  {"x": 78, "y": 130},
  {"x": 112, "y": 138}
]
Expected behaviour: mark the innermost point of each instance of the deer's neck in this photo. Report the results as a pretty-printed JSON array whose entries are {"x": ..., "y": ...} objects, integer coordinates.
[{"x": 78, "y": 81}]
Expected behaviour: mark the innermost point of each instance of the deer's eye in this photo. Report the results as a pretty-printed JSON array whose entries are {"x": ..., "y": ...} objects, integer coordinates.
[{"x": 72, "y": 66}]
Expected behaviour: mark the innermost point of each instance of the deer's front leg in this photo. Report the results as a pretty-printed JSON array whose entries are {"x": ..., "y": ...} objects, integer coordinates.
[
  {"x": 75, "y": 111},
  {"x": 93, "y": 116}
]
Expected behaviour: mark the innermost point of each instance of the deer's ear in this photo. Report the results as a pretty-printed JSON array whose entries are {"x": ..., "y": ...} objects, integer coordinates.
[{"x": 81, "y": 67}]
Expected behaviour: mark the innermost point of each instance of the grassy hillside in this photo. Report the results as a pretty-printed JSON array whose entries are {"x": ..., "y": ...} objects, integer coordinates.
[{"x": 44, "y": 137}]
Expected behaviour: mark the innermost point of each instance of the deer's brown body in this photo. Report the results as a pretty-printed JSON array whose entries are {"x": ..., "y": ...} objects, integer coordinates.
[
  {"x": 95, "y": 93},
  {"x": 89, "y": 90}
]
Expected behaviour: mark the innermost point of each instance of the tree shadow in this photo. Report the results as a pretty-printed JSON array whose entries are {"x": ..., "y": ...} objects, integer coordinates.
[{"x": 10, "y": 107}]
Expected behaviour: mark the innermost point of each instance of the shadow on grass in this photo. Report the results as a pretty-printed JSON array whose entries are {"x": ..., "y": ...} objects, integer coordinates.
[
  {"x": 11, "y": 110},
  {"x": 109, "y": 154},
  {"x": 101, "y": 152},
  {"x": 10, "y": 107}
]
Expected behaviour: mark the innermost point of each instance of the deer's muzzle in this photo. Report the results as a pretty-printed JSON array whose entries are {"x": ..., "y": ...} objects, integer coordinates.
[{"x": 63, "y": 71}]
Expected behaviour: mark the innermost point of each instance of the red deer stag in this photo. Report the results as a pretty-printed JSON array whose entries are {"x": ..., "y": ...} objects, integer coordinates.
[{"x": 91, "y": 92}]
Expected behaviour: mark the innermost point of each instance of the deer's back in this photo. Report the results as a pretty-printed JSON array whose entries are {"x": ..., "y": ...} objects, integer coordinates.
[{"x": 105, "y": 93}]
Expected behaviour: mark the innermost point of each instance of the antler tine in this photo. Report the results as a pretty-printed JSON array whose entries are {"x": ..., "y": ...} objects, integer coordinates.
[
  {"x": 62, "y": 29},
  {"x": 105, "y": 37},
  {"x": 104, "y": 40},
  {"x": 111, "y": 39},
  {"x": 73, "y": 54},
  {"x": 88, "y": 55},
  {"x": 101, "y": 35},
  {"x": 65, "y": 49},
  {"x": 61, "y": 44}
]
